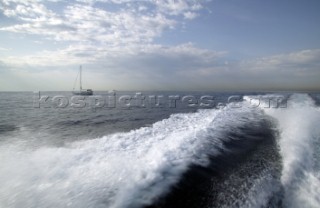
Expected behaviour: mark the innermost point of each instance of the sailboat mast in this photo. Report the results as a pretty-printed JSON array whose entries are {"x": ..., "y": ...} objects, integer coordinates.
[{"x": 80, "y": 77}]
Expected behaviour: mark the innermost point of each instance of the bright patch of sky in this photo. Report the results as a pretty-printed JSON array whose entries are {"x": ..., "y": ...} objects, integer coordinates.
[{"x": 160, "y": 44}]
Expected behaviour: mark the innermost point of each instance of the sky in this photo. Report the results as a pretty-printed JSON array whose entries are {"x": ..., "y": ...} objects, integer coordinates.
[{"x": 209, "y": 45}]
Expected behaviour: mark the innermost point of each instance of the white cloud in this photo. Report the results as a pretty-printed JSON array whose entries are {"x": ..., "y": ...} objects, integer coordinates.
[
  {"x": 118, "y": 43},
  {"x": 177, "y": 7},
  {"x": 91, "y": 32},
  {"x": 5, "y": 49},
  {"x": 190, "y": 15},
  {"x": 86, "y": 53},
  {"x": 298, "y": 63},
  {"x": 82, "y": 21},
  {"x": 180, "y": 67}
]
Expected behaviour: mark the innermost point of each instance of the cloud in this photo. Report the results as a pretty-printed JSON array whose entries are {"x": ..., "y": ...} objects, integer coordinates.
[
  {"x": 186, "y": 67},
  {"x": 138, "y": 67},
  {"x": 115, "y": 40},
  {"x": 300, "y": 63},
  {"x": 190, "y": 15},
  {"x": 83, "y": 21},
  {"x": 181, "y": 67},
  {"x": 94, "y": 29},
  {"x": 296, "y": 70},
  {"x": 5, "y": 49},
  {"x": 75, "y": 54}
]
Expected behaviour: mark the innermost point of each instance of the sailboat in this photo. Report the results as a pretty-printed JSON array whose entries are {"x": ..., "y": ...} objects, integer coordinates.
[{"x": 81, "y": 91}]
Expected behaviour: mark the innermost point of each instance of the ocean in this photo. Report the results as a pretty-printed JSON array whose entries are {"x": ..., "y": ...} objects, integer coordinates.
[{"x": 165, "y": 150}]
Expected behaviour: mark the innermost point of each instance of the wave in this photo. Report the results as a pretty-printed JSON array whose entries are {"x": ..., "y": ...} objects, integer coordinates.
[
  {"x": 248, "y": 160},
  {"x": 137, "y": 168},
  {"x": 7, "y": 128},
  {"x": 121, "y": 170},
  {"x": 299, "y": 147}
]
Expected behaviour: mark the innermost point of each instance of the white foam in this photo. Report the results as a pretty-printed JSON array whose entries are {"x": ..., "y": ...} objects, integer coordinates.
[
  {"x": 299, "y": 129},
  {"x": 264, "y": 187},
  {"x": 265, "y": 101},
  {"x": 120, "y": 170}
]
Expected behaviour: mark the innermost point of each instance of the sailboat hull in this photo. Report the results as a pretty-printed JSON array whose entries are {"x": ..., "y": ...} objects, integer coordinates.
[{"x": 83, "y": 93}]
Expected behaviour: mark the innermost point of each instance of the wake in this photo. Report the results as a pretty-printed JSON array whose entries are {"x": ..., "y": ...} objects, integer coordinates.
[
  {"x": 121, "y": 170},
  {"x": 299, "y": 147},
  {"x": 135, "y": 169}
]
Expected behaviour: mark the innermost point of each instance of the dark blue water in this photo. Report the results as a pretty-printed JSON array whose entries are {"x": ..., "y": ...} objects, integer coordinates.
[
  {"x": 172, "y": 155},
  {"x": 20, "y": 114}
]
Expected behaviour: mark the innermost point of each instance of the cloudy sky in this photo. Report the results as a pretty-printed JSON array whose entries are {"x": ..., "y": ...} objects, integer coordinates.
[{"x": 160, "y": 44}]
